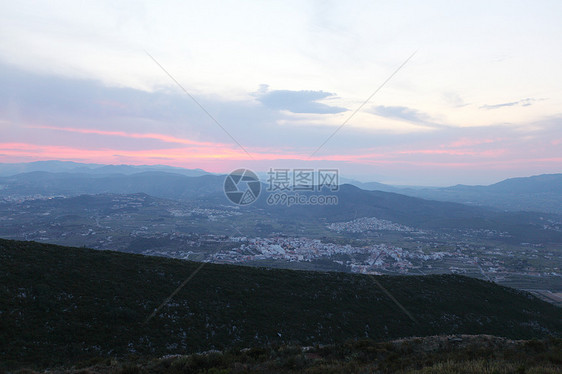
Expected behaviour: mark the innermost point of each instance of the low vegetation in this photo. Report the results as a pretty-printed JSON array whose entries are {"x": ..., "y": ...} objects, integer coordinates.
[{"x": 437, "y": 354}]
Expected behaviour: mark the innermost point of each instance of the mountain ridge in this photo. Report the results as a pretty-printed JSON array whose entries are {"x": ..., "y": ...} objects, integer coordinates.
[{"x": 541, "y": 193}]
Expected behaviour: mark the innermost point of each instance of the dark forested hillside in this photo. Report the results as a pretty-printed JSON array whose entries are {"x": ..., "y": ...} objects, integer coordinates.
[{"x": 59, "y": 304}]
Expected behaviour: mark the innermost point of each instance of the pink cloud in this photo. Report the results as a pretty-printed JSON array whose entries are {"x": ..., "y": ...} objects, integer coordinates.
[
  {"x": 462, "y": 154},
  {"x": 219, "y": 157},
  {"x": 161, "y": 137},
  {"x": 467, "y": 142},
  {"x": 456, "y": 152}
]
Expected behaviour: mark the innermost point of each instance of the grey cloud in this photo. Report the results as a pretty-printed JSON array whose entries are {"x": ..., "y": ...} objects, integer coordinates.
[
  {"x": 297, "y": 101},
  {"x": 400, "y": 112},
  {"x": 406, "y": 114},
  {"x": 60, "y": 102},
  {"x": 523, "y": 102},
  {"x": 42, "y": 100},
  {"x": 454, "y": 99}
]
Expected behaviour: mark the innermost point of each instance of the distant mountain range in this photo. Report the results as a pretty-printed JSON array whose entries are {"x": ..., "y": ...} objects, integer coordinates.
[
  {"x": 353, "y": 203},
  {"x": 54, "y": 166},
  {"x": 155, "y": 183},
  {"x": 60, "y": 305},
  {"x": 541, "y": 193}
]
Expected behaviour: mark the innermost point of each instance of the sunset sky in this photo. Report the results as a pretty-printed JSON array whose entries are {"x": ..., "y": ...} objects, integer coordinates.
[{"x": 479, "y": 101}]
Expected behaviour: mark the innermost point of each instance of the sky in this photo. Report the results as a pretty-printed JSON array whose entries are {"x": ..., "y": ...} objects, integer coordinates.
[{"x": 401, "y": 92}]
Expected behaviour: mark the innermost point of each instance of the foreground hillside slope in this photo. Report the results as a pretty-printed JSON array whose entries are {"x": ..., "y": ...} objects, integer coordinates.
[{"x": 60, "y": 304}]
